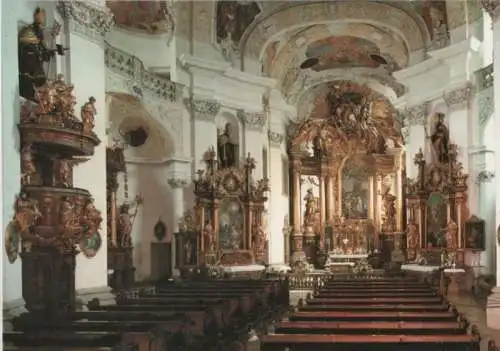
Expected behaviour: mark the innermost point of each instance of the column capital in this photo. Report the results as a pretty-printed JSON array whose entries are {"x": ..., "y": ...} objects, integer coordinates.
[
  {"x": 87, "y": 18},
  {"x": 414, "y": 115},
  {"x": 205, "y": 109},
  {"x": 492, "y": 7},
  {"x": 276, "y": 139},
  {"x": 252, "y": 120},
  {"x": 458, "y": 96}
]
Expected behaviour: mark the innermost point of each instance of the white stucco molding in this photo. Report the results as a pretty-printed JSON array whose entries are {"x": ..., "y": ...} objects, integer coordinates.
[
  {"x": 87, "y": 18},
  {"x": 415, "y": 114},
  {"x": 451, "y": 64},
  {"x": 205, "y": 109}
]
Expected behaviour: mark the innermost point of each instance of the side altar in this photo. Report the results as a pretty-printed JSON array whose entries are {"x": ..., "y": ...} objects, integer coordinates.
[{"x": 226, "y": 227}]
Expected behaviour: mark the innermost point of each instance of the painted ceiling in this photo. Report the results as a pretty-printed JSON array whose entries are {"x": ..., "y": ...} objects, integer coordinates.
[
  {"x": 342, "y": 52},
  {"x": 149, "y": 17}
]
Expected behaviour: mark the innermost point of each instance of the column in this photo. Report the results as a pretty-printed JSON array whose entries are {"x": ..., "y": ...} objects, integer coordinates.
[
  {"x": 493, "y": 305},
  {"x": 86, "y": 23},
  {"x": 204, "y": 130},
  {"x": 177, "y": 179},
  {"x": 253, "y": 142},
  {"x": 278, "y": 198},
  {"x": 414, "y": 121}
]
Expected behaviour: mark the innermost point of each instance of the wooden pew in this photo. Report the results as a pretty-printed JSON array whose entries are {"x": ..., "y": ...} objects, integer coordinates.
[
  {"x": 307, "y": 342},
  {"x": 372, "y": 316},
  {"x": 370, "y": 327},
  {"x": 377, "y": 307},
  {"x": 364, "y": 293},
  {"x": 64, "y": 339},
  {"x": 369, "y": 301}
]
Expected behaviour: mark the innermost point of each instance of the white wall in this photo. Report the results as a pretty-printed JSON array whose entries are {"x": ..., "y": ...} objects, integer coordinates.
[{"x": 149, "y": 180}]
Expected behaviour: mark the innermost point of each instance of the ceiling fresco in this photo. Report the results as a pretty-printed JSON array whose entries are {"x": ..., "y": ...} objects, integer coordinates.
[
  {"x": 233, "y": 18},
  {"x": 150, "y": 17},
  {"x": 342, "y": 52}
]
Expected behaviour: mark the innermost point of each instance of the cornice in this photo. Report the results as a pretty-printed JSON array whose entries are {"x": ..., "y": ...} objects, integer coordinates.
[{"x": 86, "y": 18}]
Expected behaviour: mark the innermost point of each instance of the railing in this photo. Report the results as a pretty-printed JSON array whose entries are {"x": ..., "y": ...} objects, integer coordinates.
[
  {"x": 131, "y": 67},
  {"x": 315, "y": 280}
]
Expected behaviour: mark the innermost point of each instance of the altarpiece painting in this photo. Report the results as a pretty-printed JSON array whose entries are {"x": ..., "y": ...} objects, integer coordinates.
[
  {"x": 231, "y": 225},
  {"x": 356, "y": 175}
]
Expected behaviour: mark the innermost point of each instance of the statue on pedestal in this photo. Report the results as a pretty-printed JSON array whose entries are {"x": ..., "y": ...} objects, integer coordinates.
[
  {"x": 226, "y": 148},
  {"x": 309, "y": 213},
  {"x": 440, "y": 138},
  {"x": 33, "y": 53}
]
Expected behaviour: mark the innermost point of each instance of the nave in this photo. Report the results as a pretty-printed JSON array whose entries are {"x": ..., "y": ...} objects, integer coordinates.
[{"x": 344, "y": 312}]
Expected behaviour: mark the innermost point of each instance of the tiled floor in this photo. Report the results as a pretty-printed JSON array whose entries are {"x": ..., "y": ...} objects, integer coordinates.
[{"x": 465, "y": 304}]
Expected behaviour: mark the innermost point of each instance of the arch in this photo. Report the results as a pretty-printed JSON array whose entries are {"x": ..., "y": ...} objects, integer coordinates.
[
  {"x": 127, "y": 113},
  {"x": 399, "y": 17}
]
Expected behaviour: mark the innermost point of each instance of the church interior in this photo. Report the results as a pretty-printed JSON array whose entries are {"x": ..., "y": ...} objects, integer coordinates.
[{"x": 250, "y": 175}]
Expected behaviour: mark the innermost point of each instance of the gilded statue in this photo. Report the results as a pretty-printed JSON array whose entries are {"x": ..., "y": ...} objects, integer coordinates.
[
  {"x": 88, "y": 113},
  {"x": 28, "y": 168},
  {"x": 64, "y": 173},
  {"x": 451, "y": 235},
  {"x": 66, "y": 215},
  {"x": 310, "y": 211},
  {"x": 440, "y": 138},
  {"x": 259, "y": 238},
  {"x": 412, "y": 235},
  {"x": 27, "y": 213},
  {"x": 226, "y": 148},
  {"x": 209, "y": 237},
  {"x": 389, "y": 219},
  {"x": 33, "y": 53}
]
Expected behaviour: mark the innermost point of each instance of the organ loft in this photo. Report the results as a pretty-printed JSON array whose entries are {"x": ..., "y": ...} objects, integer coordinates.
[{"x": 229, "y": 175}]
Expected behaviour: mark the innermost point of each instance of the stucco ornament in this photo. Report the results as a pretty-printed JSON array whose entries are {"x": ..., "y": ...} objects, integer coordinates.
[
  {"x": 458, "y": 96},
  {"x": 492, "y": 7},
  {"x": 276, "y": 139},
  {"x": 88, "y": 18},
  {"x": 252, "y": 120},
  {"x": 415, "y": 115},
  {"x": 205, "y": 109}
]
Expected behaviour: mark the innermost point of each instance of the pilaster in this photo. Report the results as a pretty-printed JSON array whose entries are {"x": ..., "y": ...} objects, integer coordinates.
[
  {"x": 203, "y": 112},
  {"x": 177, "y": 179},
  {"x": 414, "y": 120},
  {"x": 86, "y": 23},
  {"x": 253, "y": 137}
]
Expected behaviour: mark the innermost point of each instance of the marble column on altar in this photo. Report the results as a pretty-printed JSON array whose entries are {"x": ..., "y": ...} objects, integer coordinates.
[
  {"x": 278, "y": 199},
  {"x": 177, "y": 178},
  {"x": 414, "y": 121},
  {"x": 253, "y": 137},
  {"x": 204, "y": 129},
  {"x": 85, "y": 25},
  {"x": 493, "y": 304}
]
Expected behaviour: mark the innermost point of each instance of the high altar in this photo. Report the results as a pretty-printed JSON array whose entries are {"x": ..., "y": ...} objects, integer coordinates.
[
  {"x": 346, "y": 176},
  {"x": 226, "y": 227}
]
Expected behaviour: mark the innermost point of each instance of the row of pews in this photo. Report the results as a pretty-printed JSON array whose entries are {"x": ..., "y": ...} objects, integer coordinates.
[
  {"x": 211, "y": 315},
  {"x": 389, "y": 313}
]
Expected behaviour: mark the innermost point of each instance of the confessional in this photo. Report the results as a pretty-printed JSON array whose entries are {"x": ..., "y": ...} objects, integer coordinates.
[{"x": 225, "y": 226}]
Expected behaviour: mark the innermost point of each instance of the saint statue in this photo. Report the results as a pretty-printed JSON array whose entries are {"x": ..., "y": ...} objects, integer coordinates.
[
  {"x": 309, "y": 213},
  {"x": 32, "y": 54},
  {"x": 440, "y": 138},
  {"x": 226, "y": 149}
]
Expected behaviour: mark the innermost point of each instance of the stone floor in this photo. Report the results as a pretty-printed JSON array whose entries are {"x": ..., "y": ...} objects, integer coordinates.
[{"x": 465, "y": 304}]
